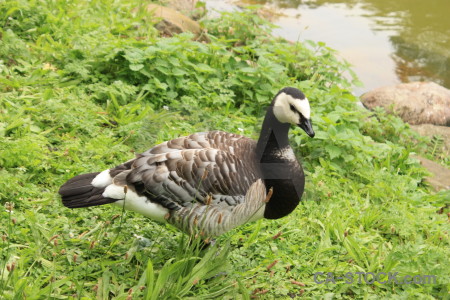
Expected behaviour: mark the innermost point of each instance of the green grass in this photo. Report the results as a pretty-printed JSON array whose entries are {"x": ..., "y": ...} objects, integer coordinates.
[{"x": 84, "y": 85}]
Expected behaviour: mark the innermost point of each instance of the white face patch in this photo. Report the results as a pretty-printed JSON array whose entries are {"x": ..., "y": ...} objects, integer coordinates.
[
  {"x": 283, "y": 112},
  {"x": 303, "y": 107}
]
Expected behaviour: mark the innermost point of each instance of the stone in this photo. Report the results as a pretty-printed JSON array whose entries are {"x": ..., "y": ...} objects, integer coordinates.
[
  {"x": 440, "y": 175},
  {"x": 173, "y": 22},
  {"x": 415, "y": 102},
  {"x": 188, "y": 8},
  {"x": 434, "y": 130}
]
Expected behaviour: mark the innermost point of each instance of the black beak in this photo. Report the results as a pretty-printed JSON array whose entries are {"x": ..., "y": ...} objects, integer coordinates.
[{"x": 307, "y": 127}]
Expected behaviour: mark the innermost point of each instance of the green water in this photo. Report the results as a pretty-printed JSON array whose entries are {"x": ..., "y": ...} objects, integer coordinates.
[{"x": 386, "y": 41}]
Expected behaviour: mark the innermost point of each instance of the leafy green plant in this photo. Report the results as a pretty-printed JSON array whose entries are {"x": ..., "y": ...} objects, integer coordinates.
[
  {"x": 179, "y": 275},
  {"x": 86, "y": 84}
]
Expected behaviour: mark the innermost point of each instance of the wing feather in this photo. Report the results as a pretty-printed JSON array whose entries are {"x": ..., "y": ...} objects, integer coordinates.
[
  {"x": 189, "y": 169},
  {"x": 176, "y": 169}
]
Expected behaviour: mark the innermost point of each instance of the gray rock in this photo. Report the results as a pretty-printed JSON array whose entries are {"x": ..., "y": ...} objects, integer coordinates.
[
  {"x": 187, "y": 7},
  {"x": 173, "y": 22},
  {"x": 434, "y": 130},
  {"x": 440, "y": 175},
  {"x": 416, "y": 102}
]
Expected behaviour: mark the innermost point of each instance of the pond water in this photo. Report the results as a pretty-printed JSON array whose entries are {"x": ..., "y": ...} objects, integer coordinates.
[{"x": 386, "y": 41}]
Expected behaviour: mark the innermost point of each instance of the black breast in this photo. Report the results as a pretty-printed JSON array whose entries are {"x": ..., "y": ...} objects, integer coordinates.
[
  {"x": 288, "y": 184},
  {"x": 280, "y": 169}
]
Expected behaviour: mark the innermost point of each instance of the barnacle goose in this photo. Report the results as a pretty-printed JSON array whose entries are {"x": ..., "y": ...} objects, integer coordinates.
[{"x": 208, "y": 182}]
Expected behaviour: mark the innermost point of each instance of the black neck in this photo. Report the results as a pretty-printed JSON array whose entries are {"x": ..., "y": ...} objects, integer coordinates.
[
  {"x": 279, "y": 172},
  {"x": 274, "y": 136}
]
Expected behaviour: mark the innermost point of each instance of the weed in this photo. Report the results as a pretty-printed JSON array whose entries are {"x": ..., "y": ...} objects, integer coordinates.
[{"x": 86, "y": 84}]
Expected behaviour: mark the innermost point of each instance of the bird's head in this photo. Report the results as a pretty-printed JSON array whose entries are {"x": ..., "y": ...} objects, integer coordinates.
[{"x": 291, "y": 106}]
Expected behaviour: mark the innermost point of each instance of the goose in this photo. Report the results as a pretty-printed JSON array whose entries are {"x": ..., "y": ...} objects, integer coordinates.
[{"x": 208, "y": 183}]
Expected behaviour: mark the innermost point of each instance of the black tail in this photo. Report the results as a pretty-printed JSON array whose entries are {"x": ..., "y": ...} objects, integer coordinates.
[{"x": 79, "y": 192}]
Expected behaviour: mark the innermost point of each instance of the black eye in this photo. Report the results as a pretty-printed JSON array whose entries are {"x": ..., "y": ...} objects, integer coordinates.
[{"x": 292, "y": 107}]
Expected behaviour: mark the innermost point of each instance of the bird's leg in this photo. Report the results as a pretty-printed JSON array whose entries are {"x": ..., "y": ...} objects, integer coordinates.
[
  {"x": 207, "y": 243},
  {"x": 203, "y": 243}
]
